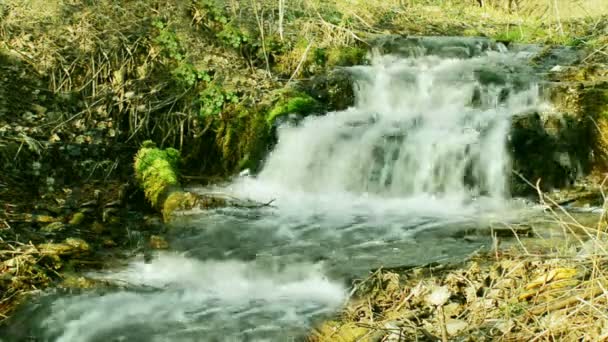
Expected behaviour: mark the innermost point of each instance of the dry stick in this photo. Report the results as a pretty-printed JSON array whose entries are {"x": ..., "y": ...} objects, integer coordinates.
[
  {"x": 542, "y": 198},
  {"x": 516, "y": 236},
  {"x": 559, "y": 21},
  {"x": 599, "y": 50},
  {"x": 281, "y": 15},
  {"x": 542, "y": 309},
  {"x": 444, "y": 329},
  {"x": 261, "y": 28},
  {"x": 302, "y": 59}
]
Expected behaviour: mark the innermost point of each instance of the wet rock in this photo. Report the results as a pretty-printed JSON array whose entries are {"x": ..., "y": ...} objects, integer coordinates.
[
  {"x": 564, "y": 145},
  {"x": 455, "y": 47},
  {"x": 70, "y": 247},
  {"x": 334, "y": 89},
  {"x": 54, "y": 227},
  {"x": 98, "y": 228},
  {"x": 77, "y": 218},
  {"x": 71, "y": 281},
  {"x": 158, "y": 242}
]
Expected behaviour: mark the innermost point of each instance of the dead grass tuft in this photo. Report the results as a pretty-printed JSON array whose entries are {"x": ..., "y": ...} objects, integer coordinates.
[{"x": 539, "y": 289}]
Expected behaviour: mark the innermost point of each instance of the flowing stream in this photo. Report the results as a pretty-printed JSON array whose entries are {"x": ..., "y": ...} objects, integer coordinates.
[{"x": 409, "y": 175}]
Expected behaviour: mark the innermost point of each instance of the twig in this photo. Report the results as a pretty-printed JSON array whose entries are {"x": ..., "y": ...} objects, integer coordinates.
[
  {"x": 302, "y": 59},
  {"x": 261, "y": 28},
  {"x": 540, "y": 310}
]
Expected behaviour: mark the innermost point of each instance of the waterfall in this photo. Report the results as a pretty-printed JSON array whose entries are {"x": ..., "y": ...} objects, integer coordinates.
[{"x": 421, "y": 125}]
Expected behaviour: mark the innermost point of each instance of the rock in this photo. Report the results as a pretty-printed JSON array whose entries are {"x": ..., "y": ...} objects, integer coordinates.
[
  {"x": 158, "y": 242},
  {"x": 455, "y": 326},
  {"x": 77, "y": 218},
  {"x": 547, "y": 147},
  {"x": 335, "y": 90},
  {"x": 53, "y": 227},
  {"x": 98, "y": 228},
  {"x": 70, "y": 247},
  {"x": 71, "y": 281}
]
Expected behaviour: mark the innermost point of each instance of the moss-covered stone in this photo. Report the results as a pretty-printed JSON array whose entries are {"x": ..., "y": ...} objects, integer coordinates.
[
  {"x": 296, "y": 103},
  {"x": 77, "y": 219},
  {"x": 345, "y": 56},
  {"x": 156, "y": 170},
  {"x": 333, "y": 89},
  {"x": 178, "y": 200}
]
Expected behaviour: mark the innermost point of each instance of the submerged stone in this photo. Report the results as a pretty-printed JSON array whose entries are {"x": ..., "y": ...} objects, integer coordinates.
[{"x": 158, "y": 242}]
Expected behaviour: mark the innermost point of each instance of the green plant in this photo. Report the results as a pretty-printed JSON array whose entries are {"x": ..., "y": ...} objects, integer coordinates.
[
  {"x": 213, "y": 99},
  {"x": 232, "y": 36},
  {"x": 188, "y": 75},
  {"x": 168, "y": 41},
  {"x": 210, "y": 14}
]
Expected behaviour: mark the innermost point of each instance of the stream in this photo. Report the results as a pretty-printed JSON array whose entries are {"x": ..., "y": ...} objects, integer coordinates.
[{"x": 416, "y": 172}]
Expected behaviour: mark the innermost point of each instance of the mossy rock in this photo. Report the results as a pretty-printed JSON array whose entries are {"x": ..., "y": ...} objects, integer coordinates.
[
  {"x": 156, "y": 170},
  {"x": 345, "y": 56},
  {"x": 292, "y": 103},
  {"x": 335, "y": 90},
  {"x": 243, "y": 142},
  {"x": 178, "y": 200}
]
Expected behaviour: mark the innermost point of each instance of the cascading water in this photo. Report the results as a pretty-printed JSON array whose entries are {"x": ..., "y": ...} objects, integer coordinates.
[
  {"x": 396, "y": 180},
  {"x": 421, "y": 126}
]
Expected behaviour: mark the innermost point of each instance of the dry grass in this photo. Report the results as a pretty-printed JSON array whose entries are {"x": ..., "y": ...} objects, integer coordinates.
[{"x": 536, "y": 290}]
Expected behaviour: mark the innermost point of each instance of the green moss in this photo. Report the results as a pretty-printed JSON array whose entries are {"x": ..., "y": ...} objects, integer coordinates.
[
  {"x": 520, "y": 34},
  {"x": 178, "y": 200},
  {"x": 77, "y": 219},
  {"x": 242, "y": 141},
  {"x": 296, "y": 104},
  {"x": 345, "y": 56},
  {"x": 156, "y": 170},
  {"x": 533, "y": 34}
]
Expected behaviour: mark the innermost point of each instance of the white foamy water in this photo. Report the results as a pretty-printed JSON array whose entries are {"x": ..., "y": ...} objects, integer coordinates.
[
  {"x": 413, "y": 133},
  {"x": 190, "y": 300}
]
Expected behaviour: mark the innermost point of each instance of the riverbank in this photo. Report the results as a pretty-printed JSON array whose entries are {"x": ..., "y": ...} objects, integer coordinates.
[{"x": 538, "y": 289}]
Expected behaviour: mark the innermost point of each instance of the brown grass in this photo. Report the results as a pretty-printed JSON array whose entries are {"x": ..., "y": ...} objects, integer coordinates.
[{"x": 536, "y": 290}]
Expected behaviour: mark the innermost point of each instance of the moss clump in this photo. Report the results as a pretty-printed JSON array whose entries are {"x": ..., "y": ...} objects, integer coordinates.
[
  {"x": 77, "y": 219},
  {"x": 178, "y": 200},
  {"x": 345, "y": 56},
  {"x": 298, "y": 103},
  {"x": 156, "y": 170}
]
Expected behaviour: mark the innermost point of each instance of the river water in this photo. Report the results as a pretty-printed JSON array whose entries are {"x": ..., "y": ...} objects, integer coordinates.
[{"x": 412, "y": 174}]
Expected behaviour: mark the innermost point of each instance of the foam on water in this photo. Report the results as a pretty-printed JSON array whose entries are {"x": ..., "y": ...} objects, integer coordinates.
[
  {"x": 187, "y": 299},
  {"x": 413, "y": 133}
]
